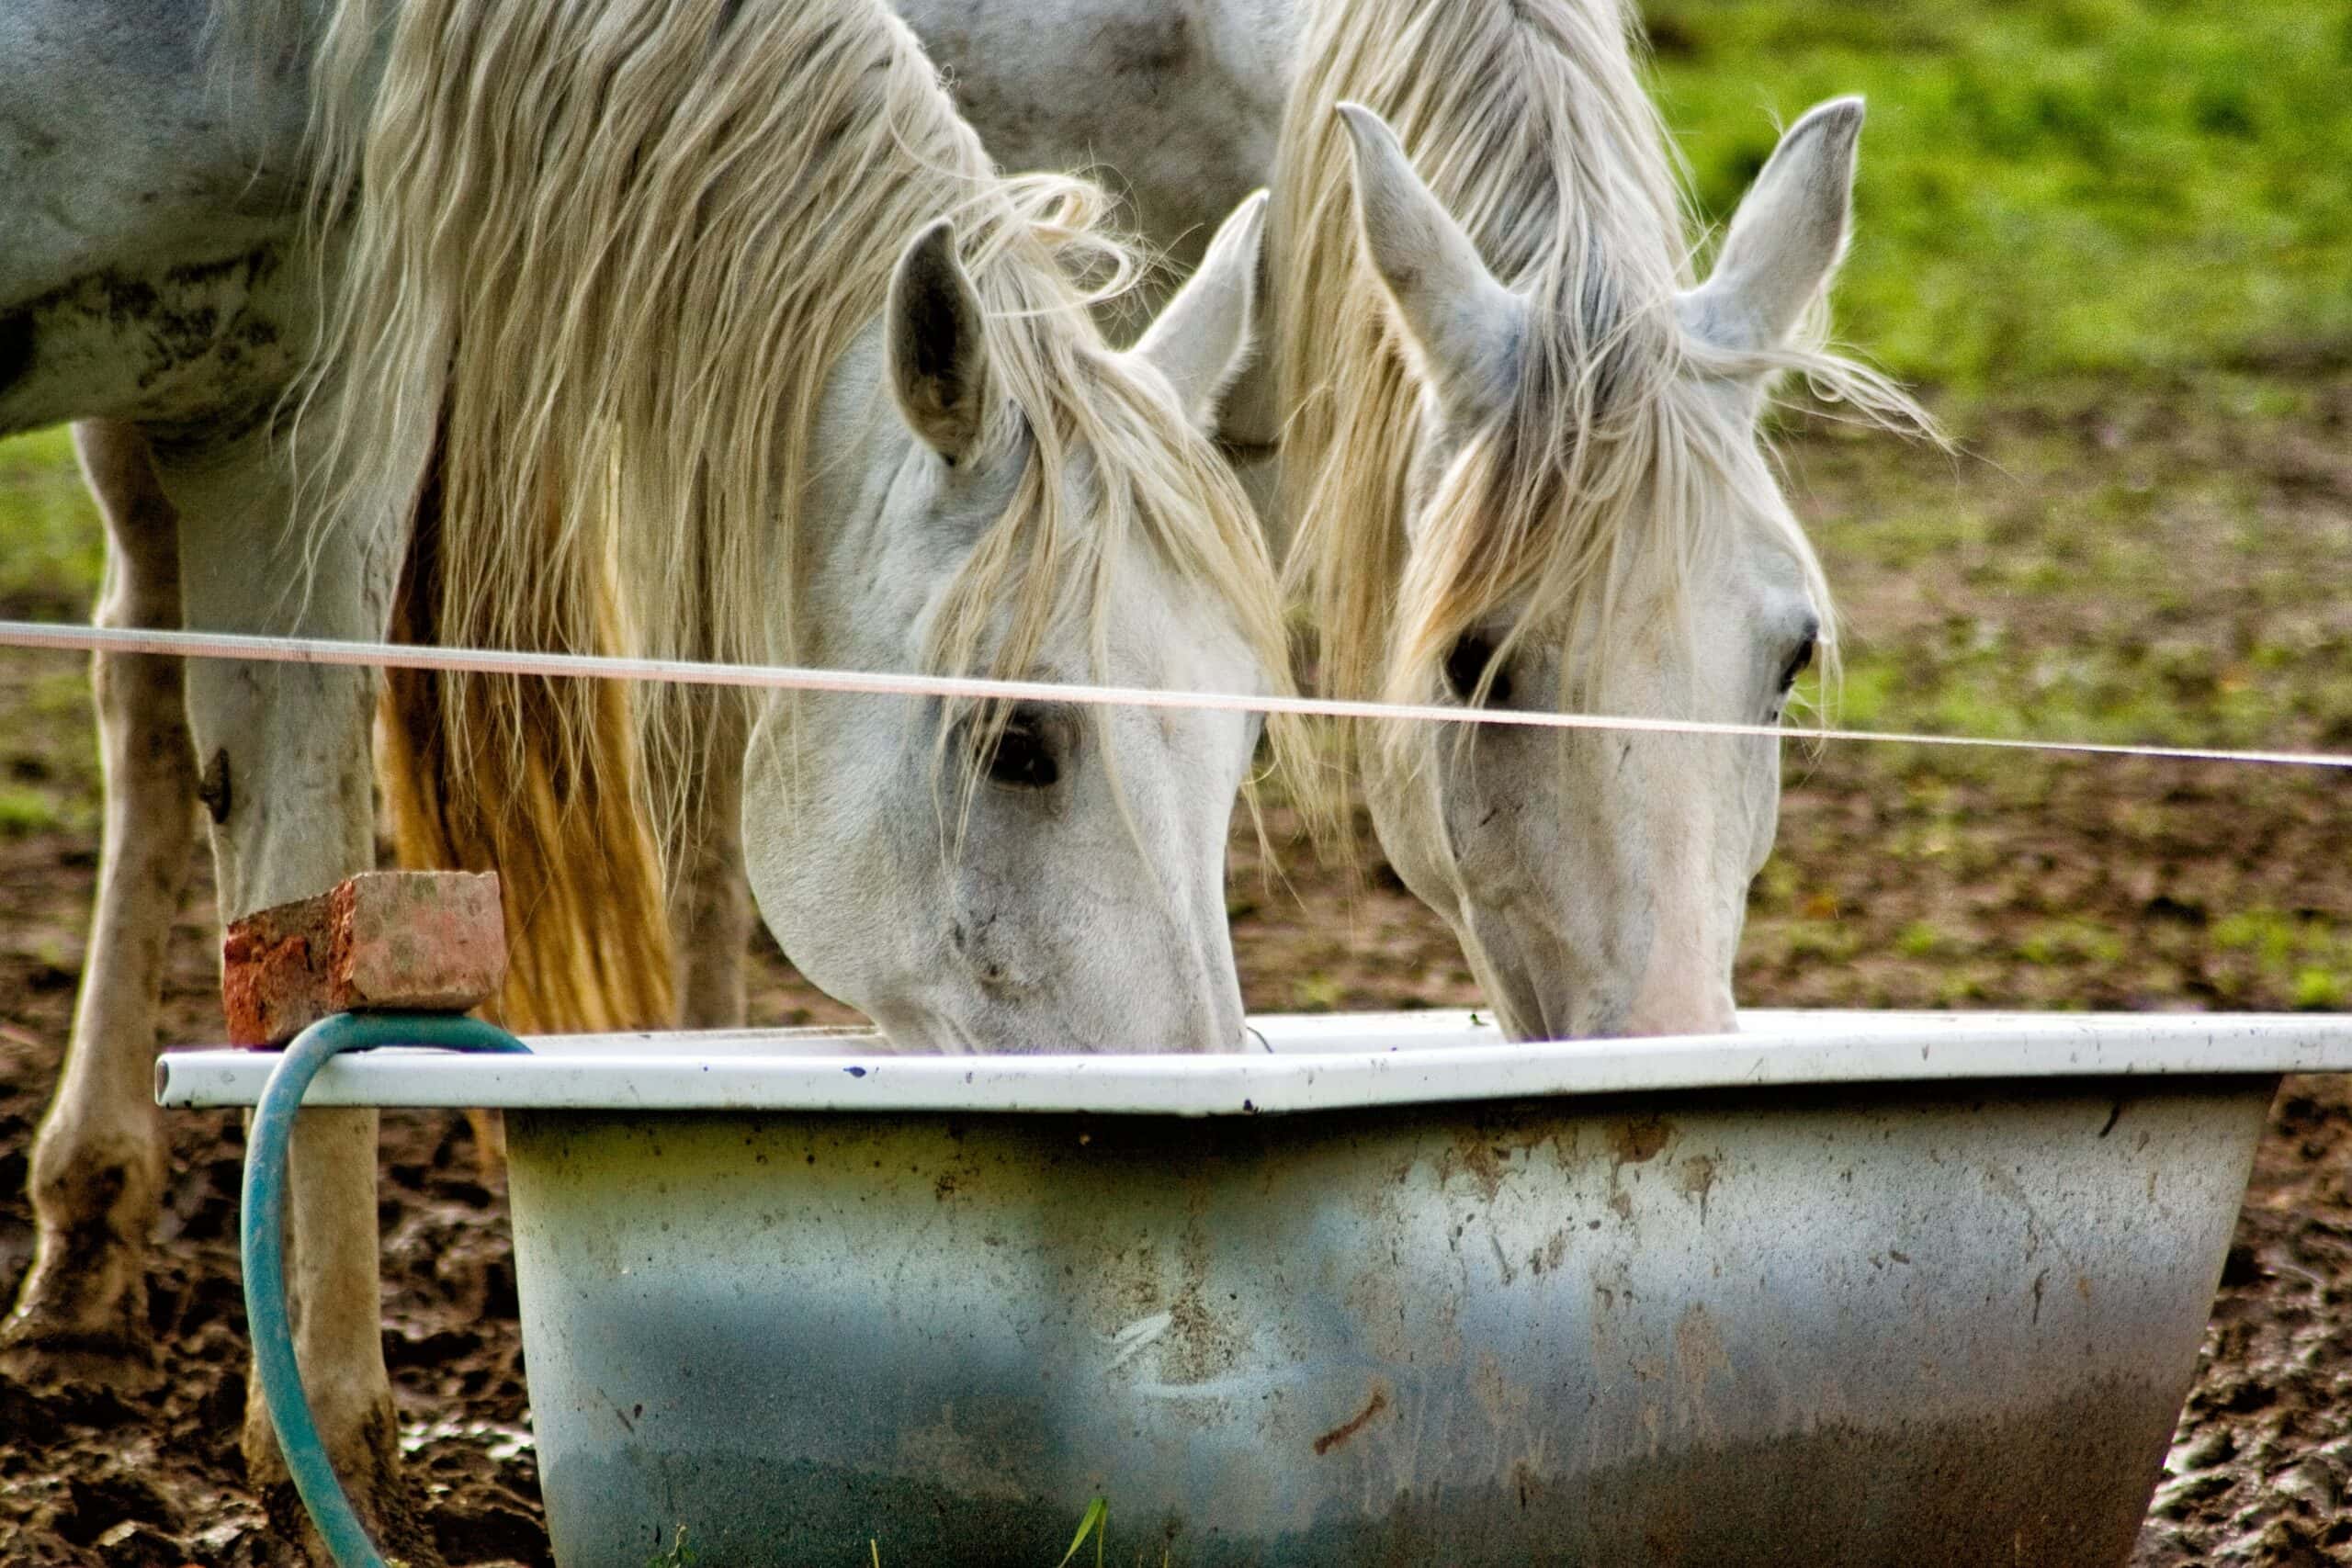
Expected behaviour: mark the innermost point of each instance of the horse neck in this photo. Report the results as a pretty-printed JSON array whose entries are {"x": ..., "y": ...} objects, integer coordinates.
[
  {"x": 1250, "y": 47},
  {"x": 1253, "y": 44},
  {"x": 312, "y": 67}
]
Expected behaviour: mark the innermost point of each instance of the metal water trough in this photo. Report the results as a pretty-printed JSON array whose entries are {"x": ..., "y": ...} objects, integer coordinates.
[{"x": 1844, "y": 1289}]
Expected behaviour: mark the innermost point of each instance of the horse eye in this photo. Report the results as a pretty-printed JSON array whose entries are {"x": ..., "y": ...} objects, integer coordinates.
[
  {"x": 1798, "y": 664},
  {"x": 1022, "y": 757},
  {"x": 1467, "y": 662}
]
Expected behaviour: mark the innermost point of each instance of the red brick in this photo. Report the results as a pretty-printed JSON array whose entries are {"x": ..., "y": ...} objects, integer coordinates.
[{"x": 421, "y": 941}]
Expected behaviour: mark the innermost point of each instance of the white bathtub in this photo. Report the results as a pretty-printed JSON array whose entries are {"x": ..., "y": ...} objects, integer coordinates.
[{"x": 1842, "y": 1289}]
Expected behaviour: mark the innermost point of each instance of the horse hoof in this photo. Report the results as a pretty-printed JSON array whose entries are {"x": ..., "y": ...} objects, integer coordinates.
[
  {"x": 401, "y": 1536},
  {"x": 39, "y": 1350},
  {"x": 379, "y": 1492}
]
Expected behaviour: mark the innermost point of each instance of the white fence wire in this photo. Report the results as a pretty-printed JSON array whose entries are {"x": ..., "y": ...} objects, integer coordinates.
[{"x": 251, "y": 648}]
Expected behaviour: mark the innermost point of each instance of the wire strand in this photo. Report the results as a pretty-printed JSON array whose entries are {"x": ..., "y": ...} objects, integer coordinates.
[{"x": 250, "y": 648}]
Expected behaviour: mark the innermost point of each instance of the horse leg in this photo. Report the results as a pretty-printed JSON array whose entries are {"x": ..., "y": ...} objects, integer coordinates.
[
  {"x": 284, "y": 754},
  {"x": 710, "y": 902},
  {"x": 97, "y": 1166}
]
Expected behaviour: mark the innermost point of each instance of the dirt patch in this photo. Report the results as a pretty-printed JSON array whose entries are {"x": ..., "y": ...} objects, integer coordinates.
[
  {"x": 1637, "y": 1141},
  {"x": 2261, "y": 1469}
]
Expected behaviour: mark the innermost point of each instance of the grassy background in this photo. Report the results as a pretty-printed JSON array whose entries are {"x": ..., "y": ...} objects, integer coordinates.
[
  {"x": 2056, "y": 190},
  {"x": 50, "y": 549},
  {"x": 51, "y": 554},
  {"x": 2084, "y": 217}
]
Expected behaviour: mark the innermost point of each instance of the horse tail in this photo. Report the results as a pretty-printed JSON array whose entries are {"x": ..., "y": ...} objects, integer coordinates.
[{"x": 551, "y": 806}]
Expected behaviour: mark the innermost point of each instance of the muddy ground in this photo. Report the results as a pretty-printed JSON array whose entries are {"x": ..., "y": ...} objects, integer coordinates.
[{"x": 1902, "y": 879}]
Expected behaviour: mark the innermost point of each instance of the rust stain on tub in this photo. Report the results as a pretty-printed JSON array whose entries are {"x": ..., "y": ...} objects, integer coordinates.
[
  {"x": 1699, "y": 1355},
  {"x": 1638, "y": 1141},
  {"x": 1699, "y": 1346},
  {"x": 1510, "y": 1408},
  {"x": 1203, "y": 1342},
  {"x": 1349, "y": 1428},
  {"x": 1205, "y": 1338},
  {"x": 968, "y": 1451},
  {"x": 1698, "y": 1181},
  {"x": 1476, "y": 1156},
  {"x": 1554, "y": 1252}
]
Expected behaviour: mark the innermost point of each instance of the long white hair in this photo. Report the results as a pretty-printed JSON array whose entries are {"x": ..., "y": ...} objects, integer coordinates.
[
  {"x": 1527, "y": 121},
  {"x": 600, "y": 257}
]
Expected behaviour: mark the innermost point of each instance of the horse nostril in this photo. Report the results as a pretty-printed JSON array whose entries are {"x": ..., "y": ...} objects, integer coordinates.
[{"x": 214, "y": 789}]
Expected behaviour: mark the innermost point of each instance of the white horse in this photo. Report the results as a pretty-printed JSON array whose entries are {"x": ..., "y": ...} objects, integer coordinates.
[
  {"x": 1520, "y": 442},
  {"x": 163, "y": 291},
  {"x": 675, "y": 339}
]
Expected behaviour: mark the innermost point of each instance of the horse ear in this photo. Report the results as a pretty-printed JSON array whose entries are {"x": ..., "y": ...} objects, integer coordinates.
[
  {"x": 1202, "y": 338},
  {"x": 1787, "y": 237},
  {"x": 938, "y": 358},
  {"x": 1460, "y": 326}
]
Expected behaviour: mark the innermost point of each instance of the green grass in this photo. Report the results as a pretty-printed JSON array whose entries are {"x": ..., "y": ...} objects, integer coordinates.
[
  {"x": 51, "y": 548},
  {"x": 2159, "y": 572},
  {"x": 24, "y": 811},
  {"x": 2070, "y": 941},
  {"x": 2305, "y": 956},
  {"x": 2053, "y": 189},
  {"x": 1919, "y": 939},
  {"x": 1318, "y": 992}
]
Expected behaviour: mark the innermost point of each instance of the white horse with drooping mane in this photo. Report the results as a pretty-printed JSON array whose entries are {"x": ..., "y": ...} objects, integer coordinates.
[
  {"x": 709, "y": 323},
  {"x": 671, "y": 330},
  {"x": 1520, "y": 444}
]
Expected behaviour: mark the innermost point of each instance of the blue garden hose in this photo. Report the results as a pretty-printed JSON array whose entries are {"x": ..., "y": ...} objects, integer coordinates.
[{"x": 263, "y": 1242}]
